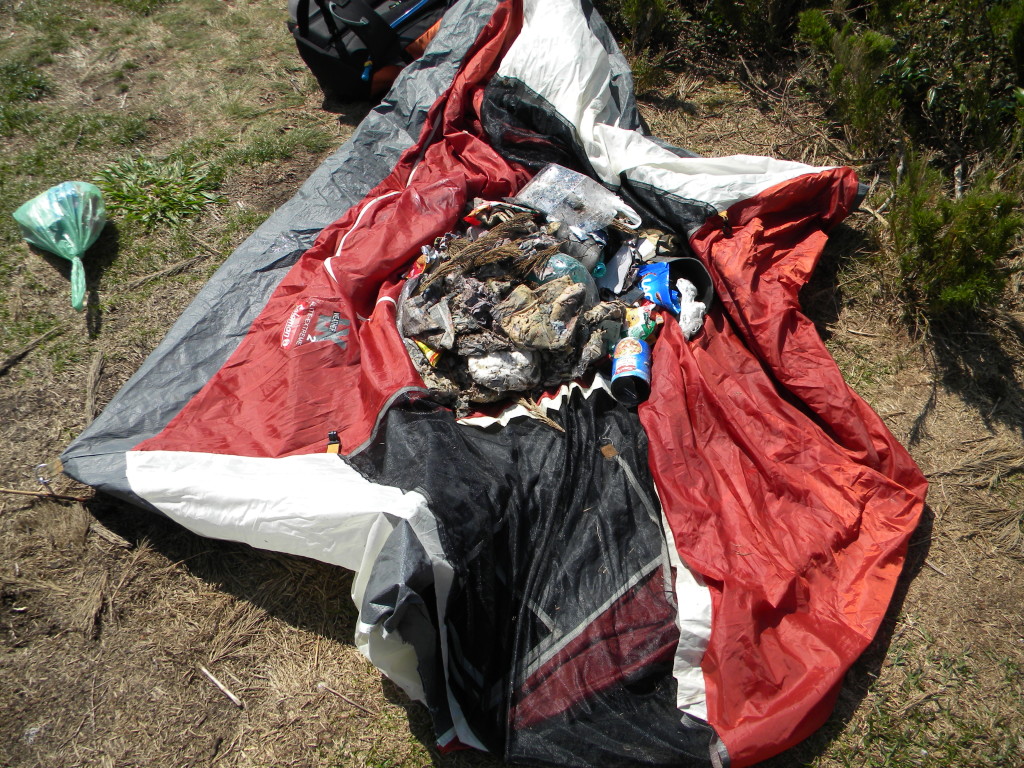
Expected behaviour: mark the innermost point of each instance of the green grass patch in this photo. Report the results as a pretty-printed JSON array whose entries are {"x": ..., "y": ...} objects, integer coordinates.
[
  {"x": 152, "y": 192},
  {"x": 15, "y": 118},
  {"x": 141, "y": 7},
  {"x": 98, "y": 130},
  {"x": 20, "y": 86},
  {"x": 21, "y": 82},
  {"x": 279, "y": 145}
]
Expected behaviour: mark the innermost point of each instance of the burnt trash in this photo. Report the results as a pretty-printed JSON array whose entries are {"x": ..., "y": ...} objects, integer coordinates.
[{"x": 508, "y": 306}]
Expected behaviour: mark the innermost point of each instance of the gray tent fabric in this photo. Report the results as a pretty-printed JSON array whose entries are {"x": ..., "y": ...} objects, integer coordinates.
[
  {"x": 199, "y": 343},
  {"x": 670, "y": 585}
]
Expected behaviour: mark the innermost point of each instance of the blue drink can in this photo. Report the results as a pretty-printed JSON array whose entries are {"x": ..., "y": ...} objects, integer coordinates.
[{"x": 631, "y": 371}]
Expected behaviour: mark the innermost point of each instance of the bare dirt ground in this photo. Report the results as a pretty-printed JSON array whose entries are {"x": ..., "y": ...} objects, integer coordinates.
[{"x": 107, "y": 614}]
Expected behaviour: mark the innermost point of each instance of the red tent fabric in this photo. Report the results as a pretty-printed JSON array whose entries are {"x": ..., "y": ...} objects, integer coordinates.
[{"x": 788, "y": 503}]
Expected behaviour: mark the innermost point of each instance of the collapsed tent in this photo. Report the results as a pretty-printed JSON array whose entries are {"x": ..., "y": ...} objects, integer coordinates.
[{"x": 682, "y": 583}]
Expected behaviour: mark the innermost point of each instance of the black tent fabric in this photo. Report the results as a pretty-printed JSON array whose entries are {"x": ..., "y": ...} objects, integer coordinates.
[{"x": 683, "y": 583}]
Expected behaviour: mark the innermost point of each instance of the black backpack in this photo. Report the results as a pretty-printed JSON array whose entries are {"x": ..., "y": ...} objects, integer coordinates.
[{"x": 354, "y": 48}]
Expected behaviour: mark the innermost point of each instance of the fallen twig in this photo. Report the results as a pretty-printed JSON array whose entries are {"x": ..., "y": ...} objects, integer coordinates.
[
  {"x": 222, "y": 688},
  {"x": 93, "y": 380},
  {"x": 174, "y": 269},
  {"x": 917, "y": 700},
  {"x": 346, "y": 699},
  {"x": 868, "y": 209},
  {"x": 936, "y": 569},
  {"x": 210, "y": 248},
  {"x": 750, "y": 81},
  {"x": 12, "y": 359},
  {"x": 45, "y": 495}
]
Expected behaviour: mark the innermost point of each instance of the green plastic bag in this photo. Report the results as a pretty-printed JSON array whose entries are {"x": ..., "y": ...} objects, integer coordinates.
[{"x": 65, "y": 220}]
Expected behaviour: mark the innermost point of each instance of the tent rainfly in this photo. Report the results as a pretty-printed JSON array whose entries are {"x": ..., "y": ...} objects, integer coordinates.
[{"x": 681, "y": 583}]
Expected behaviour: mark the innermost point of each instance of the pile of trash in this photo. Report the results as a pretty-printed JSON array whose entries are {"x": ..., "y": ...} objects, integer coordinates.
[{"x": 538, "y": 290}]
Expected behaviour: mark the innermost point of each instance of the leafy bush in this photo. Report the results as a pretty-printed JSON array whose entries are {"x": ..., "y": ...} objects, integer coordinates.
[
  {"x": 766, "y": 24},
  {"x": 944, "y": 74},
  {"x": 640, "y": 24},
  {"x": 866, "y": 103},
  {"x": 152, "y": 192},
  {"x": 952, "y": 252},
  {"x": 649, "y": 71}
]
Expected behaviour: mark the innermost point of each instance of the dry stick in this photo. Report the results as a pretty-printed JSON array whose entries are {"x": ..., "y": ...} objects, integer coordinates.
[
  {"x": 174, "y": 269},
  {"x": 29, "y": 347},
  {"x": 45, "y": 495},
  {"x": 759, "y": 89},
  {"x": 876, "y": 214},
  {"x": 210, "y": 248},
  {"x": 90, "y": 385},
  {"x": 222, "y": 688},
  {"x": 346, "y": 699}
]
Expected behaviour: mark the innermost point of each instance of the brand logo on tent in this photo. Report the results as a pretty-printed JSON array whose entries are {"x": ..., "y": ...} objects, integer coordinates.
[{"x": 313, "y": 321}]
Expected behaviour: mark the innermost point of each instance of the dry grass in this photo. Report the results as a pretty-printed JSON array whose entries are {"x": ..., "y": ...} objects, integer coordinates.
[{"x": 107, "y": 614}]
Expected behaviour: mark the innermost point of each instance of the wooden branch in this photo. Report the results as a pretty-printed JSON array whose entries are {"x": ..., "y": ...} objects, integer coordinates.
[
  {"x": 108, "y": 535},
  {"x": 12, "y": 359},
  {"x": 222, "y": 688},
  {"x": 346, "y": 699},
  {"x": 867, "y": 209},
  {"x": 91, "y": 383},
  {"x": 45, "y": 495},
  {"x": 174, "y": 269}
]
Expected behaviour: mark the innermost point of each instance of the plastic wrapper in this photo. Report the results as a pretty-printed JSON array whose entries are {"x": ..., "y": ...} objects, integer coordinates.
[
  {"x": 65, "y": 220},
  {"x": 691, "y": 311},
  {"x": 505, "y": 371},
  {"x": 574, "y": 199},
  {"x": 641, "y": 322},
  {"x": 587, "y": 247},
  {"x": 655, "y": 283},
  {"x": 563, "y": 265}
]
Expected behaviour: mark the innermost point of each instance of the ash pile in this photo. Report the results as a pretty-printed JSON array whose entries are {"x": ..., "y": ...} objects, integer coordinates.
[{"x": 542, "y": 289}]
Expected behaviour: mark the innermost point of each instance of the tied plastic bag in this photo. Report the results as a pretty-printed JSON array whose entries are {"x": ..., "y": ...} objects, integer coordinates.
[
  {"x": 574, "y": 199},
  {"x": 563, "y": 265},
  {"x": 65, "y": 220}
]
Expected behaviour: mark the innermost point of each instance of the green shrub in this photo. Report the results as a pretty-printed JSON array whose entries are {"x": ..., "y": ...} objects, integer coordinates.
[
  {"x": 858, "y": 61},
  {"x": 953, "y": 253},
  {"x": 642, "y": 17},
  {"x": 865, "y": 101},
  {"x": 639, "y": 25},
  {"x": 768, "y": 25},
  {"x": 942, "y": 74},
  {"x": 153, "y": 192},
  {"x": 649, "y": 71},
  {"x": 815, "y": 31}
]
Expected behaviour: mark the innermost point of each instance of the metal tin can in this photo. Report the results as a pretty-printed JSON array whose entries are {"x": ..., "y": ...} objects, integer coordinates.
[{"x": 631, "y": 371}]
